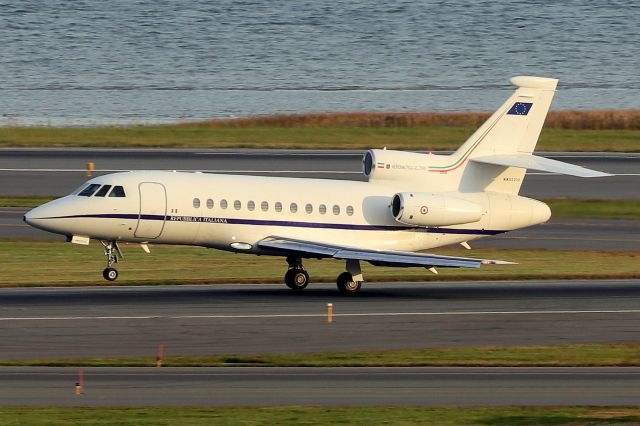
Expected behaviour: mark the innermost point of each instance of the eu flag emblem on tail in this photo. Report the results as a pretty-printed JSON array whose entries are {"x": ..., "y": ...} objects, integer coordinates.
[{"x": 520, "y": 108}]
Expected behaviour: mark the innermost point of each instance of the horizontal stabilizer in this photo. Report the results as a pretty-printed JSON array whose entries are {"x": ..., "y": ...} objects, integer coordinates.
[
  {"x": 534, "y": 162},
  {"x": 386, "y": 258}
]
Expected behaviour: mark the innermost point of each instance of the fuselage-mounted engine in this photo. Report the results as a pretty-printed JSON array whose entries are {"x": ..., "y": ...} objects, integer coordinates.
[{"x": 427, "y": 209}]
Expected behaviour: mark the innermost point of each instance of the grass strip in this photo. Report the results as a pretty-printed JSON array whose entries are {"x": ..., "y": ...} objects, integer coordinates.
[
  {"x": 560, "y": 207},
  {"x": 30, "y": 263},
  {"x": 435, "y": 137},
  {"x": 585, "y": 355},
  {"x": 450, "y": 416},
  {"x": 24, "y": 201},
  {"x": 595, "y": 209}
]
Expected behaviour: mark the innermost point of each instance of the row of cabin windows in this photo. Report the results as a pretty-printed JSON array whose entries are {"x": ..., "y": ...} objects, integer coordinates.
[
  {"x": 92, "y": 190},
  {"x": 264, "y": 206}
]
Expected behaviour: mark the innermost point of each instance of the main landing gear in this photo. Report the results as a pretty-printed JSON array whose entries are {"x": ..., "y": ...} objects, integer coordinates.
[
  {"x": 296, "y": 277},
  {"x": 113, "y": 253},
  {"x": 348, "y": 282}
]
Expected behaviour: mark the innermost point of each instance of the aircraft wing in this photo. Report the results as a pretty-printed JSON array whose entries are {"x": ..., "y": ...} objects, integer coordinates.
[{"x": 302, "y": 248}]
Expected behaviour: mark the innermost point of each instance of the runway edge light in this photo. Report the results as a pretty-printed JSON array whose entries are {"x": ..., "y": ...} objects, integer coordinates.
[{"x": 160, "y": 355}]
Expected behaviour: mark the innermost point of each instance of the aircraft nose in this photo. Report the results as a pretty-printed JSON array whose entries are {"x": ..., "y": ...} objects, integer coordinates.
[{"x": 31, "y": 217}]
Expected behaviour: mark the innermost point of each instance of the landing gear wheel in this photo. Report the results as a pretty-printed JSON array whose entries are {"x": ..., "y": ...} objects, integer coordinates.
[
  {"x": 110, "y": 274},
  {"x": 347, "y": 285},
  {"x": 113, "y": 253},
  {"x": 296, "y": 279}
]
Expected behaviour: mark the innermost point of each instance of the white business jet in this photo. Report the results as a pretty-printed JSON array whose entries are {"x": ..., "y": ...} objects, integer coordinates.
[{"x": 411, "y": 202}]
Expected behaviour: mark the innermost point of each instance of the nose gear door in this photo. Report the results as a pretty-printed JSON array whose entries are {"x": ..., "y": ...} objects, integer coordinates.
[{"x": 153, "y": 210}]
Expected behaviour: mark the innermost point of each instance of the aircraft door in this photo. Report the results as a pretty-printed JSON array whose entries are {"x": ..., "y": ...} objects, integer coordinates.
[{"x": 153, "y": 210}]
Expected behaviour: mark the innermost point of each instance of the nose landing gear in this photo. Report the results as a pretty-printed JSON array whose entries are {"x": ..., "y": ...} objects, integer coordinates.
[{"x": 113, "y": 253}]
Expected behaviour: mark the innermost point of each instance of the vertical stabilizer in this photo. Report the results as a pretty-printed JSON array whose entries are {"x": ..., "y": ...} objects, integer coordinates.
[{"x": 513, "y": 129}]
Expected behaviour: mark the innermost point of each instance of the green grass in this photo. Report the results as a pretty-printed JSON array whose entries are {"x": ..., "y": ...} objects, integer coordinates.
[
  {"x": 596, "y": 209},
  {"x": 452, "y": 416},
  {"x": 31, "y": 264},
  {"x": 621, "y": 355},
  {"x": 23, "y": 201},
  {"x": 411, "y": 138}
]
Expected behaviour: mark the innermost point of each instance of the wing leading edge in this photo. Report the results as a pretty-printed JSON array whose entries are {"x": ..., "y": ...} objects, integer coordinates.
[{"x": 381, "y": 258}]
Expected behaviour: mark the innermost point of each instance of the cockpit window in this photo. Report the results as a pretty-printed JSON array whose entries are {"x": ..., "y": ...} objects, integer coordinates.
[
  {"x": 117, "y": 191},
  {"x": 89, "y": 190},
  {"x": 103, "y": 191}
]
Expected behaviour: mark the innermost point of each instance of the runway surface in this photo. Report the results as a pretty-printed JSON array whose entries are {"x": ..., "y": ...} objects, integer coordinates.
[
  {"x": 40, "y": 323},
  {"x": 558, "y": 234},
  {"x": 236, "y": 386},
  {"x": 60, "y": 171}
]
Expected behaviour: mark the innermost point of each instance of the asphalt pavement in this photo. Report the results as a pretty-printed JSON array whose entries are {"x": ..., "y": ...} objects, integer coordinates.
[
  {"x": 255, "y": 386},
  {"x": 259, "y": 319},
  {"x": 58, "y": 171},
  {"x": 246, "y": 319}
]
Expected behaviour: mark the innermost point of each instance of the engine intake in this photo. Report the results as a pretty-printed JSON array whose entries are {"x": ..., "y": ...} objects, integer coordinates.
[{"x": 426, "y": 209}]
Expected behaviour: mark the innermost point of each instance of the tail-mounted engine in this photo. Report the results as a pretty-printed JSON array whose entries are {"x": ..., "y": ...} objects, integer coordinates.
[
  {"x": 426, "y": 209},
  {"x": 382, "y": 164}
]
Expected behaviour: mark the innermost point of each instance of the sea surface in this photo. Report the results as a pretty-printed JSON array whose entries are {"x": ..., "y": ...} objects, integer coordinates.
[{"x": 80, "y": 63}]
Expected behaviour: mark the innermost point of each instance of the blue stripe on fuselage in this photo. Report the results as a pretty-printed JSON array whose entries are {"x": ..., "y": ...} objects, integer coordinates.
[{"x": 295, "y": 224}]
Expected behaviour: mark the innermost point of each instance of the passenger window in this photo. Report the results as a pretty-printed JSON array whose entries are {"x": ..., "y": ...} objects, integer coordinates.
[
  {"x": 322, "y": 209},
  {"x": 209, "y": 203},
  {"x": 264, "y": 206},
  {"x": 103, "y": 191},
  {"x": 251, "y": 206},
  {"x": 308, "y": 208},
  {"x": 293, "y": 207},
  {"x": 223, "y": 204},
  {"x": 336, "y": 209},
  {"x": 196, "y": 203},
  {"x": 117, "y": 191},
  {"x": 89, "y": 190},
  {"x": 278, "y": 206},
  {"x": 237, "y": 205},
  {"x": 349, "y": 210}
]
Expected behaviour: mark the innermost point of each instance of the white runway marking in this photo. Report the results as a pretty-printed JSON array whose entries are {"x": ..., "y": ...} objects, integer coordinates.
[
  {"x": 560, "y": 174},
  {"x": 186, "y": 171},
  {"x": 284, "y": 154},
  {"x": 360, "y": 314}
]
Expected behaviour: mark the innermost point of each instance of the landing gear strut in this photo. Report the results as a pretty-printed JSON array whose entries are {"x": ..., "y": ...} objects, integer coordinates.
[
  {"x": 296, "y": 277},
  {"x": 113, "y": 253},
  {"x": 350, "y": 282}
]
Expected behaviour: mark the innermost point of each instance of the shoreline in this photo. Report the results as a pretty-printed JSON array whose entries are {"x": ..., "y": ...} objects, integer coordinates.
[
  {"x": 597, "y": 119},
  {"x": 425, "y": 132}
]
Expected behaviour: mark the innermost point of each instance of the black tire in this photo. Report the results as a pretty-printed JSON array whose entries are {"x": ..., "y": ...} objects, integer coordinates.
[
  {"x": 347, "y": 285},
  {"x": 110, "y": 274},
  {"x": 296, "y": 279}
]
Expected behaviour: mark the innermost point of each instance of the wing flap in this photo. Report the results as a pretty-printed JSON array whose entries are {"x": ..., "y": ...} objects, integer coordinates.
[
  {"x": 534, "y": 162},
  {"x": 387, "y": 258}
]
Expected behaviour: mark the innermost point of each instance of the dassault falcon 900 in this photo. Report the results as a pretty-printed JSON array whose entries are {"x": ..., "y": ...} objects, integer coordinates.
[{"x": 411, "y": 202}]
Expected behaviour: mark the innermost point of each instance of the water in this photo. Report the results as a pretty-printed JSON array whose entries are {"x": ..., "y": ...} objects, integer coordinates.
[{"x": 128, "y": 62}]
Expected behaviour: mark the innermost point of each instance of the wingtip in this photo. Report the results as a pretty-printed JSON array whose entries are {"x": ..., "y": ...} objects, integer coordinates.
[{"x": 497, "y": 262}]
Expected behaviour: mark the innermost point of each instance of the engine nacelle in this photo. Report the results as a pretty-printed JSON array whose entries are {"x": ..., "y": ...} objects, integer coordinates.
[
  {"x": 426, "y": 209},
  {"x": 382, "y": 164}
]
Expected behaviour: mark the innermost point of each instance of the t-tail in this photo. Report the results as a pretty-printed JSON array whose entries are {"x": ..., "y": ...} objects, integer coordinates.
[{"x": 495, "y": 158}]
